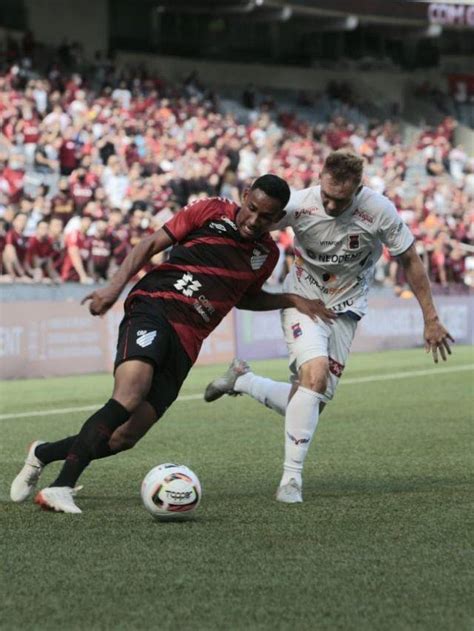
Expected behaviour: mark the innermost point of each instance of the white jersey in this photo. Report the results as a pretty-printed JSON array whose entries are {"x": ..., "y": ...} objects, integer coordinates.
[{"x": 335, "y": 256}]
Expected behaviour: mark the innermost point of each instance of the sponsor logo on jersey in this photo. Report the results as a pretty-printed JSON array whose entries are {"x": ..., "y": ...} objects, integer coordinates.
[
  {"x": 366, "y": 218},
  {"x": 311, "y": 254},
  {"x": 394, "y": 232},
  {"x": 329, "y": 278},
  {"x": 187, "y": 285},
  {"x": 217, "y": 226},
  {"x": 297, "y": 332},
  {"x": 343, "y": 305},
  {"x": 145, "y": 338},
  {"x": 353, "y": 241},
  {"x": 257, "y": 259},
  {"x": 335, "y": 367},
  {"x": 330, "y": 243},
  {"x": 339, "y": 258},
  {"x": 330, "y": 291},
  {"x": 305, "y": 211},
  {"x": 204, "y": 307}
]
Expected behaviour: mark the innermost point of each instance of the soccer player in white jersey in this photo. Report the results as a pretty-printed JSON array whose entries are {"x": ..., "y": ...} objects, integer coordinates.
[{"x": 340, "y": 228}]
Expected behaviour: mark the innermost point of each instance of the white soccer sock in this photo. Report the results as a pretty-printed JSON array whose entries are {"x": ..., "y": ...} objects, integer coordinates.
[
  {"x": 301, "y": 420},
  {"x": 273, "y": 394}
]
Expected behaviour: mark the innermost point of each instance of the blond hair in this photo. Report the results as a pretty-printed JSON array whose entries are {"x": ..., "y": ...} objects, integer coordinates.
[{"x": 344, "y": 165}]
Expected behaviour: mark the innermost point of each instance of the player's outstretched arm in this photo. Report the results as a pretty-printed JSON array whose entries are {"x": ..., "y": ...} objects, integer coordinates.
[
  {"x": 263, "y": 301},
  {"x": 103, "y": 299},
  {"x": 437, "y": 338}
]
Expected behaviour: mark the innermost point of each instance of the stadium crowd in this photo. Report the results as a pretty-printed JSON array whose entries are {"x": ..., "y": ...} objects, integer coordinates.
[{"x": 91, "y": 162}]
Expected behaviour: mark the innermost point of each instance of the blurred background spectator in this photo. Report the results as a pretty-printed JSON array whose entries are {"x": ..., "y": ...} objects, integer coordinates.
[{"x": 90, "y": 162}]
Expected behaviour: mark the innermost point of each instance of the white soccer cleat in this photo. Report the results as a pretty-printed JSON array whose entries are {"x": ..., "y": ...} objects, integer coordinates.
[
  {"x": 25, "y": 482},
  {"x": 57, "y": 498},
  {"x": 290, "y": 493},
  {"x": 226, "y": 383}
]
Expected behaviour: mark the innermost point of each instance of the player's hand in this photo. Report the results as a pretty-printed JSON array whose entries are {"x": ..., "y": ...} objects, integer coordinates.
[
  {"x": 437, "y": 338},
  {"x": 100, "y": 301},
  {"x": 315, "y": 309}
]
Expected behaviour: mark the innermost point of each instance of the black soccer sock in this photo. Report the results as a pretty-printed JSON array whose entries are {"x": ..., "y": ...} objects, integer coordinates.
[
  {"x": 50, "y": 452},
  {"x": 92, "y": 442}
]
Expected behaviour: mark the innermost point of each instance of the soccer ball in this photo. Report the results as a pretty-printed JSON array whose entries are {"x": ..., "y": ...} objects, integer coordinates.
[{"x": 171, "y": 490}]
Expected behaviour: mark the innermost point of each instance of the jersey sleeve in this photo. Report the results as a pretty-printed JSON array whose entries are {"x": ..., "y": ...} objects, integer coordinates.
[
  {"x": 393, "y": 232},
  {"x": 294, "y": 203},
  {"x": 190, "y": 218}
]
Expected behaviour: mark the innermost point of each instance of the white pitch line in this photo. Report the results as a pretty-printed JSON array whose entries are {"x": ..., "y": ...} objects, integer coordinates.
[
  {"x": 409, "y": 373},
  {"x": 82, "y": 408},
  {"x": 194, "y": 397}
]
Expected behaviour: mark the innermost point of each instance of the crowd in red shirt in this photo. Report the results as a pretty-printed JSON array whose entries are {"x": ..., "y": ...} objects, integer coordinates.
[{"x": 88, "y": 167}]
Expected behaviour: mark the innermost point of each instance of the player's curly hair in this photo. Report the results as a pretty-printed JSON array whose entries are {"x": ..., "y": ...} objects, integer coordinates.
[
  {"x": 273, "y": 186},
  {"x": 344, "y": 165}
]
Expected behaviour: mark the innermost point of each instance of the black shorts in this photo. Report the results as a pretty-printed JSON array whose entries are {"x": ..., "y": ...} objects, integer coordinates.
[{"x": 145, "y": 333}]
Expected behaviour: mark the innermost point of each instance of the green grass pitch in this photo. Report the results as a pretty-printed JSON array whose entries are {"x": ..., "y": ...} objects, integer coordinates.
[{"x": 383, "y": 540}]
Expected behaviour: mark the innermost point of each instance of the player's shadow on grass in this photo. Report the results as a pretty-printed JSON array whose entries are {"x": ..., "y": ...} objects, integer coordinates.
[
  {"x": 178, "y": 520},
  {"x": 98, "y": 502}
]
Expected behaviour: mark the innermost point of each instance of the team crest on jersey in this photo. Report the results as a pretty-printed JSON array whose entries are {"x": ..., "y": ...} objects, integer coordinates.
[
  {"x": 145, "y": 338},
  {"x": 353, "y": 241},
  {"x": 257, "y": 259}
]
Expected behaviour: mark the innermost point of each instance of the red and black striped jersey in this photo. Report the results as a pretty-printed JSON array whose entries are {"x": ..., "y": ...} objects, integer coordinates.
[{"x": 210, "y": 268}]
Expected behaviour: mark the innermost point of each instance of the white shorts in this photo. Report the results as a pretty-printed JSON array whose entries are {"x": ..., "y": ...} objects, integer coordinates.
[{"x": 307, "y": 340}]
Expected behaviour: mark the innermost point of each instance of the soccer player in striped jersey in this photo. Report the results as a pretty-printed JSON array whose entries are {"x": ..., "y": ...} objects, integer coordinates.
[{"x": 221, "y": 257}]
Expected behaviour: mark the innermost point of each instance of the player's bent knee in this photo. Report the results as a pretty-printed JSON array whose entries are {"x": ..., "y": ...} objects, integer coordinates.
[
  {"x": 129, "y": 398},
  {"x": 314, "y": 375},
  {"x": 132, "y": 384},
  {"x": 318, "y": 384}
]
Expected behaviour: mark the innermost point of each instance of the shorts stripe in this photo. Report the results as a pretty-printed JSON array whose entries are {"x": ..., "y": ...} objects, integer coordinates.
[{"x": 126, "y": 341}]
